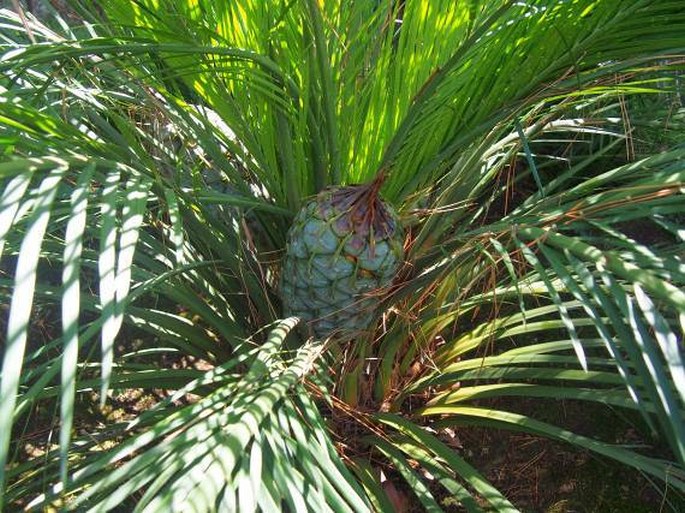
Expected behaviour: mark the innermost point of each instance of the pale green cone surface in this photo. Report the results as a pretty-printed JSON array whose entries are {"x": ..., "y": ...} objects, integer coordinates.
[{"x": 344, "y": 248}]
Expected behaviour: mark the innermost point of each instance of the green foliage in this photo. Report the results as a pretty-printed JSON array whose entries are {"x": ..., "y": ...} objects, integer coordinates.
[{"x": 153, "y": 158}]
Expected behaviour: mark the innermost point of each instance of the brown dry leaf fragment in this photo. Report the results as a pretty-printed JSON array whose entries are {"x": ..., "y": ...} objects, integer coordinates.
[{"x": 398, "y": 499}]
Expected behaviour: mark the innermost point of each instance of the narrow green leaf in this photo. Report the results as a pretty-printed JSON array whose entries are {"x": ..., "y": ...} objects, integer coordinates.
[
  {"x": 601, "y": 300},
  {"x": 668, "y": 341},
  {"x": 416, "y": 484},
  {"x": 621, "y": 346},
  {"x": 176, "y": 232},
  {"x": 288, "y": 479},
  {"x": 107, "y": 274},
  {"x": 554, "y": 294},
  {"x": 650, "y": 282},
  {"x": 134, "y": 204},
  {"x": 529, "y": 158},
  {"x": 154, "y": 501},
  {"x": 673, "y": 412},
  {"x": 71, "y": 296},
  {"x": 269, "y": 350},
  {"x": 509, "y": 265},
  {"x": 256, "y": 464},
  {"x": 118, "y": 483},
  {"x": 203, "y": 485},
  {"x": 335, "y": 483},
  {"x": 9, "y": 204},
  {"x": 434, "y": 81},
  {"x": 370, "y": 482},
  {"x": 116, "y": 259},
  {"x": 328, "y": 90},
  {"x": 20, "y": 309},
  {"x": 268, "y": 496},
  {"x": 438, "y": 471},
  {"x": 473, "y": 392},
  {"x": 516, "y": 422},
  {"x": 458, "y": 464}
]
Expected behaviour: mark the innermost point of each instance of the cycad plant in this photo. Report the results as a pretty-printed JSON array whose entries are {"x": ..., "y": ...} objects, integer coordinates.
[{"x": 166, "y": 346}]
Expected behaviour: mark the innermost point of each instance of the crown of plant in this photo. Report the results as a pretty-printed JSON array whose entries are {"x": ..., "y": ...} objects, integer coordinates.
[{"x": 344, "y": 248}]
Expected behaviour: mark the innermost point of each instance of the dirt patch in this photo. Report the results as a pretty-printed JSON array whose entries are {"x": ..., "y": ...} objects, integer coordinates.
[{"x": 542, "y": 476}]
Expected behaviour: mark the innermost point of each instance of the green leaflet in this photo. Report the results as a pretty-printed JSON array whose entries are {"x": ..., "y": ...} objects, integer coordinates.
[{"x": 20, "y": 307}]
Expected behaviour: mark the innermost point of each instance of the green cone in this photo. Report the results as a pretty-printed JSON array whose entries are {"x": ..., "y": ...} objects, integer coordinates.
[{"x": 343, "y": 250}]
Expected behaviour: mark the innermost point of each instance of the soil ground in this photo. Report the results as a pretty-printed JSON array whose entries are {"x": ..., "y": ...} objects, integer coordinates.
[{"x": 542, "y": 476}]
